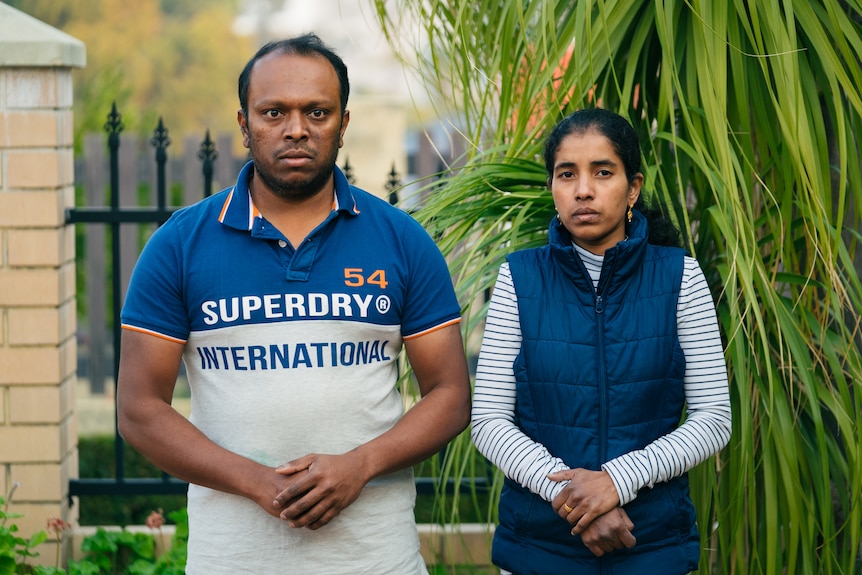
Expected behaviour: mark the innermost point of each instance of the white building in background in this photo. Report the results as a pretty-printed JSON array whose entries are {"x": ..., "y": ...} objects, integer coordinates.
[
  {"x": 381, "y": 103},
  {"x": 349, "y": 26}
]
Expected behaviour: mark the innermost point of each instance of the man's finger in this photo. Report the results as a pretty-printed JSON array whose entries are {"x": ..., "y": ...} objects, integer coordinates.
[
  {"x": 291, "y": 492},
  {"x": 304, "y": 512},
  {"x": 292, "y": 467}
]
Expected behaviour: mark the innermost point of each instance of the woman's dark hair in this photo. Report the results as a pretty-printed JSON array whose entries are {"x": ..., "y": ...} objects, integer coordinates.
[
  {"x": 662, "y": 231},
  {"x": 305, "y": 45},
  {"x": 614, "y": 127},
  {"x": 624, "y": 139}
]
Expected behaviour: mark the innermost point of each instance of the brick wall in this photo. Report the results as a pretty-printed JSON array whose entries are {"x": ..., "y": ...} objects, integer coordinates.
[{"x": 38, "y": 436}]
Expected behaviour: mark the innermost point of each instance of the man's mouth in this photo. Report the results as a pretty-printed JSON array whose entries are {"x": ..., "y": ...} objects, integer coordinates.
[{"x": 295, "y": 158}]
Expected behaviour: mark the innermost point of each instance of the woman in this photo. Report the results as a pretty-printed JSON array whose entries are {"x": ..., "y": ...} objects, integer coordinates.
[{"x": 593, "y": 347}]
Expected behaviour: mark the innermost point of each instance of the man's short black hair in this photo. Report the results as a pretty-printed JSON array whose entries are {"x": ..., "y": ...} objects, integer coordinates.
[{"x": 305, "y": 45}]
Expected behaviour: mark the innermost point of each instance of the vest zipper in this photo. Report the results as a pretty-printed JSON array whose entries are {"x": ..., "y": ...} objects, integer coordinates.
[
  {"x": 603, "y": 388},
  {"x": 608, "y": 268}
]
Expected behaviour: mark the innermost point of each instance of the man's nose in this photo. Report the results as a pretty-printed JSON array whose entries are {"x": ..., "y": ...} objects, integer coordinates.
[{"x": 295, "y": 127}]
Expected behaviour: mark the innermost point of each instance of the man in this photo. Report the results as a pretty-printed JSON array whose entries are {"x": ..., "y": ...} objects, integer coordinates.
[{"x": 288, "y": 297}]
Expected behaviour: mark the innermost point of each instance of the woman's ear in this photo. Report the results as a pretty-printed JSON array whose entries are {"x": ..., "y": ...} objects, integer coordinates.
[{"x": 635, "y": 188}]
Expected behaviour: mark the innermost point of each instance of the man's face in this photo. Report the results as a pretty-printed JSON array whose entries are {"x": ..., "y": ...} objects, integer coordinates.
[{"x": 295, "y": 124}]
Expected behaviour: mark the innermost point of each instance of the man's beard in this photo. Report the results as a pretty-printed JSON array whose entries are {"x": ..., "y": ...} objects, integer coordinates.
[{"x": 294, "y": 191}]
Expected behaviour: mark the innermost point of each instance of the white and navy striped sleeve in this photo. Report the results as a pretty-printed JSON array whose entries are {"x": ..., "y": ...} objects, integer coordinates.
[
  {"x": 706, "y": 429},
  {"x": 493, "y": 420}
]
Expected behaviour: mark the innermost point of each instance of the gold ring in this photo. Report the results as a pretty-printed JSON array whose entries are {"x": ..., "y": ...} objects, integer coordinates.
[{"x": 567, "y": 508}]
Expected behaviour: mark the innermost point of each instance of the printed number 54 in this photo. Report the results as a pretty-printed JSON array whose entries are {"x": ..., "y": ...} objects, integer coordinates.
[{"x": 355, "y": 277}]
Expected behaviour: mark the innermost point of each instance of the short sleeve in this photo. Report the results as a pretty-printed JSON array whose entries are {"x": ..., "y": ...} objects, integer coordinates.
[
  {"x": 154, "y": 300},
  {"x": 430, "y": 300}
]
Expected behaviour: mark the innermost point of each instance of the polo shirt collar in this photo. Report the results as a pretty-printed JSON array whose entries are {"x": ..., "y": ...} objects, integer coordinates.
[{"x": 239, "y": 211}]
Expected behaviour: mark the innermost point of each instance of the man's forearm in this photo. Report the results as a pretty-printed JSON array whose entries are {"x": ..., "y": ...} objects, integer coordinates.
[{"x": 178, "y": 448}]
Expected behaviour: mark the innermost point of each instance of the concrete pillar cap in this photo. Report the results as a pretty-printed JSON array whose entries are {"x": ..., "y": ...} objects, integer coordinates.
[{"x": 28, "y": 42}]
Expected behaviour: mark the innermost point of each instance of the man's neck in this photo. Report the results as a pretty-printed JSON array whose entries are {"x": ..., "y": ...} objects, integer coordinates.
[{"x": 294, "y": 219}]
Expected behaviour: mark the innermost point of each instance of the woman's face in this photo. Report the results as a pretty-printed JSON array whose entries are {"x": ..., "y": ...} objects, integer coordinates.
[{"x": 591, "y": 191}]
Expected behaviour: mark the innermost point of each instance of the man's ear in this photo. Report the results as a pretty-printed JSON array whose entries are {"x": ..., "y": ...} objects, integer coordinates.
[
  {"x": 345, "y": 119},
  {"x": 243, "y": 126}
]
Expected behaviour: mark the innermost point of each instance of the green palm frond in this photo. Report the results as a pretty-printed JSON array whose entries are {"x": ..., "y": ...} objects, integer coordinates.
[{"x": 751, "y": 115}]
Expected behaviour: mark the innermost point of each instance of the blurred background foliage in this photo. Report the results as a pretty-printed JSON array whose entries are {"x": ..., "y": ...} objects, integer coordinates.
[{"x": 175, "y": 59}]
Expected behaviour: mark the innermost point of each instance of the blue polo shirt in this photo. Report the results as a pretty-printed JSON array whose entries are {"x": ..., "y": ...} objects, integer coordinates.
[{"x": 290, "y": 351}]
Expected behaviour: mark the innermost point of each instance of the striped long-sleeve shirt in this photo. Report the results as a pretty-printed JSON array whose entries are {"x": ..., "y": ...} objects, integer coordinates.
[{"x": 704, "y": 432}]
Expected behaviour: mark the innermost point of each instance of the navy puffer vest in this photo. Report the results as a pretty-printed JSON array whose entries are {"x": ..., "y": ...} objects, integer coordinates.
[{"x": 600, "y": 374}]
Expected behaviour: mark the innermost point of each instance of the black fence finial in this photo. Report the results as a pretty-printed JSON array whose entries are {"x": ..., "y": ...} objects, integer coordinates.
[
  {"x": 160, "y": 142},
  {"x": 392, "y": 185},
  {"x": 208, "y": 155},
  {"x": 114, "y": 126},
  {"x": 348, "y": 171}
]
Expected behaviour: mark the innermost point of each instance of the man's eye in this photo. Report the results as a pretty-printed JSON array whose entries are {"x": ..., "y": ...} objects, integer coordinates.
[
  {"x": 272, "y": 113},
  {"x": 317, "y": 113}
]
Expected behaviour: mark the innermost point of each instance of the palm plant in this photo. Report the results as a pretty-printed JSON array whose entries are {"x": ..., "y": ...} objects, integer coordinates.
[{"x": 751, "y": 114}]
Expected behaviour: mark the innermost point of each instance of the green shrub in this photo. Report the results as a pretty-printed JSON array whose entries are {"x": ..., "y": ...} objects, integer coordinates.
[
  {"x": 15, "y": 550},
  {"x": 96, "y": 461},
  {"x": 110, "y": 552}
]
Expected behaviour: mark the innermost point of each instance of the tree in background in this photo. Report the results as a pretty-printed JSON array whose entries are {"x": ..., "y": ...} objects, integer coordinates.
[
  {"x": 175, "y": 59},
  {"x": 751, "y": 113}
]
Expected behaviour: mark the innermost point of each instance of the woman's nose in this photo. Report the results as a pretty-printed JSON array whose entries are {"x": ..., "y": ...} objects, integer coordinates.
[{"x": 583, "y": 188}]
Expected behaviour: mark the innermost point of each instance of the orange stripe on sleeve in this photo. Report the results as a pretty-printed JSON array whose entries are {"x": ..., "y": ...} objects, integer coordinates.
[
  {"x": 153, "y": 333},
  {"x": 432, "y": 329}
]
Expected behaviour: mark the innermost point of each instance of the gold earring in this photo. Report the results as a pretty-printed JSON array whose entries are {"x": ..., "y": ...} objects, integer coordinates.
[{"x": 629, "y": 215}]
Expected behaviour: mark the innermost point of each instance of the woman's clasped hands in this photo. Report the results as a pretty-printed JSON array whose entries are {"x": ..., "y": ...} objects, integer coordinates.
[{"x": 590, "y": 503}]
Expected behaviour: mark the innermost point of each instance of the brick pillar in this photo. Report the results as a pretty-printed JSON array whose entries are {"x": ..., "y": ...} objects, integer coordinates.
[{"x": 38, "y": 435}]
